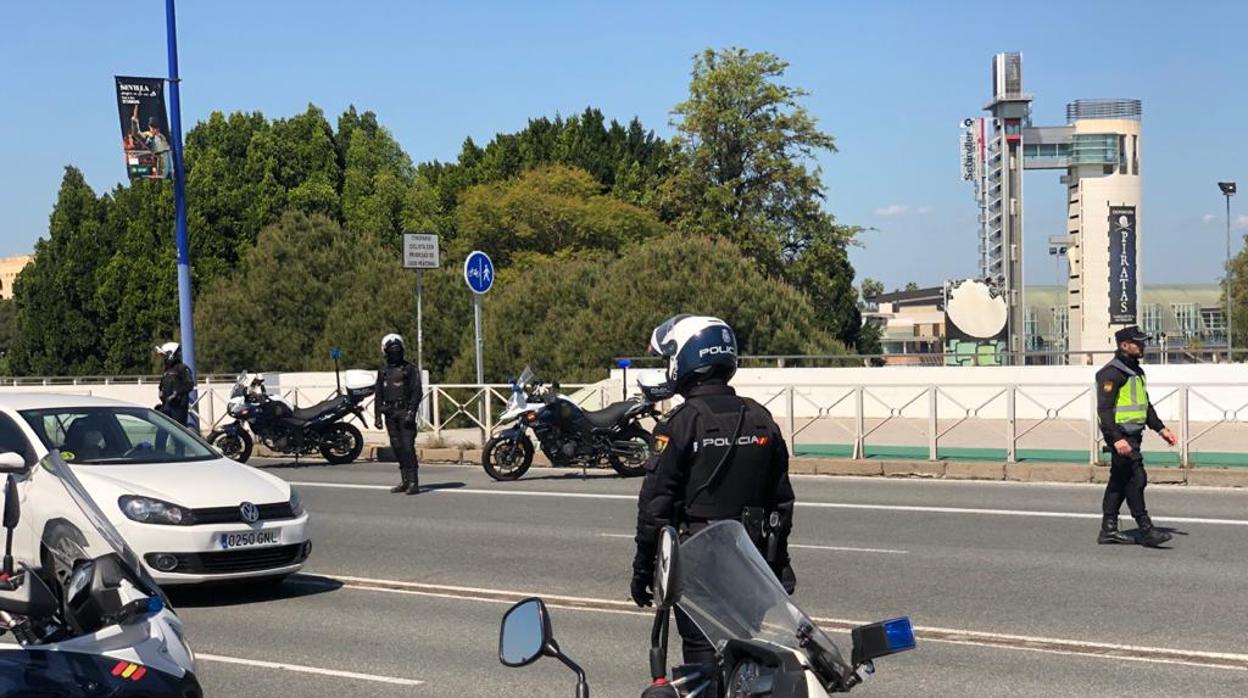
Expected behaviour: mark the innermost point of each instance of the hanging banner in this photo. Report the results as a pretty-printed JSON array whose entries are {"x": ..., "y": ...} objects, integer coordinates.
[
  {"x": 1123, "y": 277},
  {"x": 144, "y": 127}
]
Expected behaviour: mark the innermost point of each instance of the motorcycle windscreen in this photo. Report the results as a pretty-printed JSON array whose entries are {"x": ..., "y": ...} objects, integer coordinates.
[
  {"x": 728, "y": 589},
  {"x": 526, "y": 377},
  {"x": 93, "y": 533}
]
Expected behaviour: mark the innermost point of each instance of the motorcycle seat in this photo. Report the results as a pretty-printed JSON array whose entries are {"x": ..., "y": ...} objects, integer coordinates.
[
  {"x": 307, "y": 414},
  {"x": 609, "y": 417}
]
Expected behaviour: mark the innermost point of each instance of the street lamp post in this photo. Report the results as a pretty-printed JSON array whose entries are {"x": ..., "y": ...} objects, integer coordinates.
[{"x": 1228, "y": 190}]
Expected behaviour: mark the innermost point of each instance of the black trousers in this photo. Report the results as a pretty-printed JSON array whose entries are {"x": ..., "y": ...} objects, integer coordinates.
[
  {"x": 177, "y": 413},
  {"x": 403, "y": 442},
  {"x": 1127, "y": 480},
  {"x": 697, "y": 648}
]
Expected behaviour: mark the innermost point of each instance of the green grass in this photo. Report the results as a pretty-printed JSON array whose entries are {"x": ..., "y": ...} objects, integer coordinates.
[{"x": 1162, "y": 458}]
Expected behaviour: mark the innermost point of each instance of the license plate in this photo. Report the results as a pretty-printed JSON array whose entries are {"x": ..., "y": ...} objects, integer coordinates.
[{"x": 250, "y": 539}]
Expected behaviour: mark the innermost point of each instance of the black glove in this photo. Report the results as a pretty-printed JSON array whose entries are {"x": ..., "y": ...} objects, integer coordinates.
[
  {"x": 377, "y": 423},
  {"x": 640, "y": 589},
  {"x": 410, "y": 418},
  {"x": 788, "y": 579}
]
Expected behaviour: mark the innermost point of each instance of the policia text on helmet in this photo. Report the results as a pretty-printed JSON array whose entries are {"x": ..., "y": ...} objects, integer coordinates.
[{"x": 718, "y": 456}]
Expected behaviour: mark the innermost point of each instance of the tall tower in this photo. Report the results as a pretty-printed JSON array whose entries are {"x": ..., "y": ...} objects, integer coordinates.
[
  {"x": 1011, "y": 111},
  {"x": 1103, "y": 213}
]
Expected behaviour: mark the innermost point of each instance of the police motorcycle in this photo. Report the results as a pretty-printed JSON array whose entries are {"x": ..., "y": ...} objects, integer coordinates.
[
  {"x": 89, "y": 621},
  {"x": 765, "y": 645},
  {"x": 569, "y": 436},
  {"x": 287, "y": 429}
]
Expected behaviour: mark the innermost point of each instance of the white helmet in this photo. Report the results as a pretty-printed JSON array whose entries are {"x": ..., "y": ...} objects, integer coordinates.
[
  {"x": 169, "y": 349},
  {"x": 391, "y": 338},
  {"x": 695, "y": 345}
]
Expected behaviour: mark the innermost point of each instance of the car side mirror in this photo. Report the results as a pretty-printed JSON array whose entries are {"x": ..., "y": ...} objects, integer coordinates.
[
  {"x": 11, "y": 462},
  {"x": 525, "y": 633},
  {"x": 882, "y": 639},
  {"x": 12, "y": 515},
  {"x": 667, "y": 570}
]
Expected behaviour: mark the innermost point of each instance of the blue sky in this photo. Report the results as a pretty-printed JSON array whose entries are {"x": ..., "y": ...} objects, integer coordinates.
[{"x": 890, "y": 80}]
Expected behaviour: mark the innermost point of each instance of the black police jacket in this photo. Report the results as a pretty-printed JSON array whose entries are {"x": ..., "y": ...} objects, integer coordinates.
[
  {"x": 398, "y": 389},
  {"x": 1109, "y": 380},
  {"x": 176, "y": 386},
  {"x": 716, "y": 454}
]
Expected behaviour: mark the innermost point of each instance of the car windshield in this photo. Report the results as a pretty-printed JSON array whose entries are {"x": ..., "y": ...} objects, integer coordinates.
[{"x": 115, "y": 436}]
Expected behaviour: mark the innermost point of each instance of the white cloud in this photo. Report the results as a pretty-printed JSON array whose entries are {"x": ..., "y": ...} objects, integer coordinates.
[
  {"x": 1208, "y": 218},
  {"x": 1240, "y": 222},
  {"x": 893, "y": 210},
  {"x": 923, "y": 210}
]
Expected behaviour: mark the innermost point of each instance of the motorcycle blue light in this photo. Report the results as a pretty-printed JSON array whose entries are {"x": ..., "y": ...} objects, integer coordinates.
[
  {"x": 899, "y": 634},
  {"x": 154, "y": 605}
]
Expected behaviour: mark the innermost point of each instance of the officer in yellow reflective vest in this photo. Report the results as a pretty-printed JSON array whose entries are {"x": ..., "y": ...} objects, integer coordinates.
[{"x": 1124, "y": 411}]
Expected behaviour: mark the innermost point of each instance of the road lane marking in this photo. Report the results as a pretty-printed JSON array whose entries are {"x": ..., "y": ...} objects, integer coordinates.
[
  {"x": 836, "y": 548},
  {"x": 1047, "y": 645},
  {"x": 919, "y": 509},
  {"x": 299, "y": 668}
]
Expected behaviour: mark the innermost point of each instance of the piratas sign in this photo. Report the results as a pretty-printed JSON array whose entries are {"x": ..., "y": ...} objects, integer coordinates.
[
  {"x": 144, "y": 127},
  {"x": 1123, "y": 276}
]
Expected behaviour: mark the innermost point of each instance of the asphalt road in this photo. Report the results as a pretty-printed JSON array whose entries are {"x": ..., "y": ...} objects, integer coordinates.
[{"x": 403, "y": 595}]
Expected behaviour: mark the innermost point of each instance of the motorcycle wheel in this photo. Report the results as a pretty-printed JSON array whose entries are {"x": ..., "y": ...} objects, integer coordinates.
[
  {"x": 341, "y": 443},
  {"x": 633, "y": 466},
  {"x": 236, "y": 447},
  {"x": 502, "y": 459}
]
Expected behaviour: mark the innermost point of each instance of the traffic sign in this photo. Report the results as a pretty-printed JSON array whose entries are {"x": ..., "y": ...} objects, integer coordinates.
[
  {"x": 420, "y": 251},
  {"x": 479, "y": 272}
]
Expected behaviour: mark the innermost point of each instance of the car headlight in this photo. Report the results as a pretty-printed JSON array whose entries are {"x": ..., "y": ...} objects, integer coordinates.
[
  {"x": 154, "y": 511},
  {"x": 296, "y": 504}
]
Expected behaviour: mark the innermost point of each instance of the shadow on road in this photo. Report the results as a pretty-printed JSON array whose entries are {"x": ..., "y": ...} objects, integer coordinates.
[
  {"x": 1135, "y": 535},
  {"x": 573, "y": 475},
  {"x": 243, "y": 593}
]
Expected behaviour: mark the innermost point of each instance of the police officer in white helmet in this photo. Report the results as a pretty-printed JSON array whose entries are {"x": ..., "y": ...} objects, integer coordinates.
[{"x": 395, "y": 403}]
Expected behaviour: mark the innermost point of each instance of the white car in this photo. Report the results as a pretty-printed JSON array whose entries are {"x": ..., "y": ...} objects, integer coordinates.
[{"x": 191, "y": 514}]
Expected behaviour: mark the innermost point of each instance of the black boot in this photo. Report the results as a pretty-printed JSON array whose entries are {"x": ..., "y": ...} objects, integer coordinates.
[
  {"x": 1110, "y": 534},
  {"x": 404, "y": 483},
  {"x": 413, "y": 482},
  {"x": 1151, "y": 537}
]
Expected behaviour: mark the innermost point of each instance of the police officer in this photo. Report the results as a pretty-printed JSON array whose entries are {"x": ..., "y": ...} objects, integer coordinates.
[
  {"x": 718, "y": 456},
  {"x": 1124, "y": 410},
  {"x": 176, "y": 383},
  {"x": 397, "y": 397}
]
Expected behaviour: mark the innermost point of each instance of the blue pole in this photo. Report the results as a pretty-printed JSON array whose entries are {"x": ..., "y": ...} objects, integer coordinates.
[{"x": 179, "y": 201}]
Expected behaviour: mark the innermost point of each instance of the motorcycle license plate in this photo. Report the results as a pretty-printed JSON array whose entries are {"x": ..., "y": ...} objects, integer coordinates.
[{"x": 249, "y": 539}]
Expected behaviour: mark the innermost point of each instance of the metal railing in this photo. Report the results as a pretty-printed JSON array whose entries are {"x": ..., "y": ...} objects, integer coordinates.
[{"x": 1003, "y": 416}]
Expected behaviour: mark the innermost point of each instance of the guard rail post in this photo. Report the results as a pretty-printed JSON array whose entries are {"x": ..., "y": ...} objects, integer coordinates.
[
  {"x": 1185, "y": 455},
  {"x": 932, "y": 424},
  {"x": 1011, "y": 424},
  {"x": 437, "y": 412},
  {"x": 860, "y": 425},
  {"x": 1094, "y": 428},
  {"x": 792, "y": 420}
]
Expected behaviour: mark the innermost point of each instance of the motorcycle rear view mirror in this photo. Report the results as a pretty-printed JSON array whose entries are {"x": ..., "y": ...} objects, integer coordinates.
[
  {"x": 667, "y": 570},
  {"x": 11, "y": 462},
  {"x": 882, "y": 639},
  {"x": 526, "y": 635}
]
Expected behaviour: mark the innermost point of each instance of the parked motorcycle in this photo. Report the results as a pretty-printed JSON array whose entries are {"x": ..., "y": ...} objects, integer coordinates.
[
  {"x": 568, "y": 435},
  {"x": 765, "y": 645},
  {"x": 84, "y": 626},
  {"x": 295, "y": 431}
]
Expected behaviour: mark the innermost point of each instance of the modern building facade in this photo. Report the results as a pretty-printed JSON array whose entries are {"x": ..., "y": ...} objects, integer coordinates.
[
  {"x": 1183, "y": 318},
  {"x": 10, "y": 267},
  {"x": 1098, "y": 151}
]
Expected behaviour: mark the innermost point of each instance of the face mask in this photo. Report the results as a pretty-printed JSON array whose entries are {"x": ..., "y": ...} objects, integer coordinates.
[{"x": 394, "y": 354}]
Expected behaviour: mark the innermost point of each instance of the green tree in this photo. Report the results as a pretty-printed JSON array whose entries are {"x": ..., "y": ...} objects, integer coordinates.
[
  {"x": 912, "y": 286},
  {"x": 271, "y": 314},
  {"x": 8, "y": 333},
  {"x": 1238, "y": 277},
  {"x": 59, "y": 319},
  {"x": 547, "y": 210},
  {"x": 872, "y": 288},
  {"x": 743, "y": 170},
  {"x": 377, "y": 175}
]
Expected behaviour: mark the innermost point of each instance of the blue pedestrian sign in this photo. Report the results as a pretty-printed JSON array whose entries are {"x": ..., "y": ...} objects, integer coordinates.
[{"x": 479, "y": 272}]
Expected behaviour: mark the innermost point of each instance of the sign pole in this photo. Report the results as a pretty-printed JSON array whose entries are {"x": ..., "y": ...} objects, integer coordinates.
[
  {"x": 480, "y": 344},
  {"x": 179, "y": 202},
  {"x": 420, "y": 328}
]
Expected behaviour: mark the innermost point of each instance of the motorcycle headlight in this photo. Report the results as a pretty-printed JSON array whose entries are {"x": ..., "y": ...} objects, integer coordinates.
[
  {"x": 296, "y": 504},
  {"x": 154, "y": 511}
]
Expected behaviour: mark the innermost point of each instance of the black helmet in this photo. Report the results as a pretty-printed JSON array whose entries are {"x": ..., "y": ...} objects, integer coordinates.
[{"x": 696, "y": 346}]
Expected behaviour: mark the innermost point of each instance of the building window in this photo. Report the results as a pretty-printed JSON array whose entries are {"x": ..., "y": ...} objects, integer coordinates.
[
  {"x": 1135, "y": 155},
  {"x": 1151, "y": 318},
  {"x": 1061, "y": 323},
  {"x": 1031, "y": 329},
  {"x": 1186, "y": 318},
  {"x": 1213, "y": 321}
]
